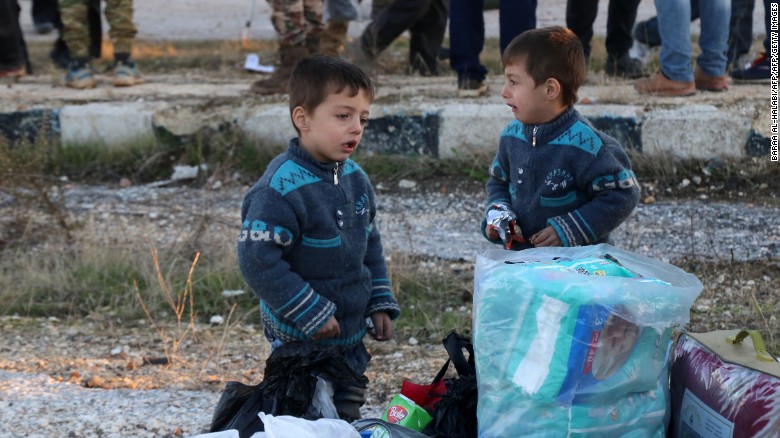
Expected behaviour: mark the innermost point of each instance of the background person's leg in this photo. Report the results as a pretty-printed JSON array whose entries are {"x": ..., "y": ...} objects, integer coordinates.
[
  {"x": 427, "y": 37},
  {"x": 467, "y": 38},
  {"x": 580, "y": 16},
  {"x": 515, "y": 17}
]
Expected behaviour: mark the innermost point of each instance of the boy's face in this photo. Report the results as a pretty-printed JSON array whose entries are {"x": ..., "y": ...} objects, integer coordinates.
[
  {"x": 528, "y": 101},
  {"x": 333, "y": 130}
]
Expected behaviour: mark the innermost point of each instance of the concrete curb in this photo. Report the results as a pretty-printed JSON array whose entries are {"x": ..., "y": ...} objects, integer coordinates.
[{"x": 429, "y": 126}]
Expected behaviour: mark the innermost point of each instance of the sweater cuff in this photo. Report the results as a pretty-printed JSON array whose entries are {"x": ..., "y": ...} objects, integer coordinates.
[
  {"x": 382, "y": 299},
  {"x": 308, "y": 310},
  {"x": 572, "y": 229}
]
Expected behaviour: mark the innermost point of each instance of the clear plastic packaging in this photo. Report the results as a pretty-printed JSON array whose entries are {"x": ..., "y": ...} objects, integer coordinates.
[{"x": 561, "y": 334}]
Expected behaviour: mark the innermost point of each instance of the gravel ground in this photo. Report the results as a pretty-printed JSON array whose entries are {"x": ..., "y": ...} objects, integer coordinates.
[
  {"x": 43, "y": 397},
  {"x": 443, "y": 223}
]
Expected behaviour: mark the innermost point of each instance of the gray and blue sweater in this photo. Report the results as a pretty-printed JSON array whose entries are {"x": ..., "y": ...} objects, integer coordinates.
[
  {"x": 309, "y": 249},
  {"x": 564, "y": 174}
]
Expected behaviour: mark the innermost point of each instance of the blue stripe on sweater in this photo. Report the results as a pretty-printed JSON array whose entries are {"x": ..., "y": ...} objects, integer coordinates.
[
  {"x": 584, "y": 222},
  {"x": 297, "y": 334},
  {"x": 291, "y": 176},
  {"x": 580, "y": 136},
  {"x": 300, "y": 315},
  {"x": 514, "y": 129},
  {"x": 304, "y": 290},
  {"x": 321, "y": 243},
  {"x": 558, "y": 202}
]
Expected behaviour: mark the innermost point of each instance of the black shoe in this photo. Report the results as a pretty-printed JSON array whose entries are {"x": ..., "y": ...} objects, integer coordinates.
[
  {"x": 471, "y": 88},
  {"x": 625, "y": 67}
]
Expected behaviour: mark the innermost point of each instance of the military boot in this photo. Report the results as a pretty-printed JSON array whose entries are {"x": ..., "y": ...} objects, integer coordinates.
[
  {"x": 277, "y": 83},
  {"x": 334, "y": 38}
]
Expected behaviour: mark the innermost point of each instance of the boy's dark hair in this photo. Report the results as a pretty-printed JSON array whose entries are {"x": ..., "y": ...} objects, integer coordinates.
[
  {"x": 314, "y": 78},
  {"x": 550, "y": 52}
]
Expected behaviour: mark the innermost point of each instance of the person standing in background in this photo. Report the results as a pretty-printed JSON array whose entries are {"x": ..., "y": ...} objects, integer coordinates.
[
  {"x": 467, "y": 38},
  {"x": 426, "y": 21},
  {"x": 14, "y": 62},
  {"x": 75, "y": 32},
  {"x": 580, "y": 15},
  {"x": 298, "y": 25},
  {"x": 677, "y": 76},
  {"x": 338, "y": 15}
]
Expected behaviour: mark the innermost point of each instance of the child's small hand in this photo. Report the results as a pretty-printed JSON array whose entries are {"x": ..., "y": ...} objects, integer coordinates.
[
  {"x": 329, "y": 330},
  {"x": 383, "y": 326},
  {"x": 491, "y": 232},
  {"x": 546, "y": 237}
]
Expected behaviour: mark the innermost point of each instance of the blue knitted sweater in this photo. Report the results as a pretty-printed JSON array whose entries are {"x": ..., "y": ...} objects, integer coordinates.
[
  {"x": 309, "y": 249},
  {"x": 565, "y": 174}
]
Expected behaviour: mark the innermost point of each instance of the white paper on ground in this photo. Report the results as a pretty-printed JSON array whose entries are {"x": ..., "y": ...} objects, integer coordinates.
[{"x": 252, "y": 63}]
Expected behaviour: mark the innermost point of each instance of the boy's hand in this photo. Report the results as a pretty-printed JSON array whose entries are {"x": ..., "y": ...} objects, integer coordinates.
[
  {"x": 329, "y": 330},
  {"x": 383, "y": 326},
  {"x": 546, "y": 237}
]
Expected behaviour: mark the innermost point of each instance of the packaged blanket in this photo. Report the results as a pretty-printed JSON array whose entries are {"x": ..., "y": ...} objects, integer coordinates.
[{"x": 562, "y": 331}]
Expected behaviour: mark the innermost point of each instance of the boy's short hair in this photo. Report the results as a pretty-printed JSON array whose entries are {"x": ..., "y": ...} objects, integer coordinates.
[
  {"x": 550, "y": 52},
  {"x": 314, "y": 78}
]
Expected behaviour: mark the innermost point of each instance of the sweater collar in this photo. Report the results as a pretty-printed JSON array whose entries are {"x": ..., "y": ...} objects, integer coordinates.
[
  {"x": 294, "y": 148},
  {"x": 546, "y": 132}
]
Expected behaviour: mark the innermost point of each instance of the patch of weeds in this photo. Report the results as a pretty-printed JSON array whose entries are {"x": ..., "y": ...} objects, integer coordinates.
[
  {"x": 391, "y": 169},
  {"x": 737, "y": 295},
  {"x": 434, "y": 299},
  {"x": 731, "y": 179}
]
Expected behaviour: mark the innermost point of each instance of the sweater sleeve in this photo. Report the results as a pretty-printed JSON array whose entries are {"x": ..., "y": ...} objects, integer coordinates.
[
  {"x": 381, "y": 299},
  {"x": 269, "y": 229},
  {"x": 613, "y": 191}
]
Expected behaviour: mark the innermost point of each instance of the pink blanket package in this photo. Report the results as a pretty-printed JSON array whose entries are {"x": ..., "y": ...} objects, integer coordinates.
[{"x": 724, "y": 384}]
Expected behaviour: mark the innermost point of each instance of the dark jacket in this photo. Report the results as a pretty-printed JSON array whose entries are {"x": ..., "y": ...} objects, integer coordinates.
[
  {"x": 309, "y": 249},
  {"x": 565, "y": 174}
]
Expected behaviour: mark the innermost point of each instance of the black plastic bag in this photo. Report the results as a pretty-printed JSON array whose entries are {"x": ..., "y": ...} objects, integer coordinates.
[
  {"x": 393, "y": 430},
  {"x": 455, "y": 415},
  {"x": 288, "y": 385}
]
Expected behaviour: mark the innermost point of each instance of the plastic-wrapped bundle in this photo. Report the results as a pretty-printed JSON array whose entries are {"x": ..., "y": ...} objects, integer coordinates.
[{"x": 561, "y": 333}]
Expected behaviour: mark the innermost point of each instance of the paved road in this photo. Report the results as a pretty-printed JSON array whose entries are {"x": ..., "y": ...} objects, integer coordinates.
[{"x": 224, "y": 19}]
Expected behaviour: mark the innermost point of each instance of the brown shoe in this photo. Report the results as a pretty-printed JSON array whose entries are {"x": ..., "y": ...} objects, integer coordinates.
[
  {"x": 710, "y": 83},
  {"x": 660, "y": 85}
]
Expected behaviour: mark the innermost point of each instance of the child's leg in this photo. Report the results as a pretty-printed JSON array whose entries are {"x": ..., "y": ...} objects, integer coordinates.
[{"x": 348, "y": 400}]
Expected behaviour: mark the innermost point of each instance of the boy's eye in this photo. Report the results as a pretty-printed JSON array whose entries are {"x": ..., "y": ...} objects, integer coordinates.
[
  {"x": 343, "y": 116},
  {"x": 363, "y": 122}
]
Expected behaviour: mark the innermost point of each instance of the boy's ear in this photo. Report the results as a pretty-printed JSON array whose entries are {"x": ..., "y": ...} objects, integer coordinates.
[
  {"x": 553, "y": 88},
  {"x": 300, "y": 118}
]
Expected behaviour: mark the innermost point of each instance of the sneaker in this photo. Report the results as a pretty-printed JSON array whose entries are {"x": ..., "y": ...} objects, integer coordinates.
[
  {"x": 625, "y": 67},
  {"x": 471, "y": 88},
  {"x": 660, "y": 85},
  {"x": 79, "y": 76},
  {"x": 126, "y": 74},
  {"x": 706, "y": 82},
  {"x": 757, "y": 72}
]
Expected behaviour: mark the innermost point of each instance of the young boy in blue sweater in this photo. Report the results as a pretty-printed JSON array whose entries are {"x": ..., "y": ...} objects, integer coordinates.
[
  {"x": 555, "y": 178},
  {"x": 308, "y": 246}
]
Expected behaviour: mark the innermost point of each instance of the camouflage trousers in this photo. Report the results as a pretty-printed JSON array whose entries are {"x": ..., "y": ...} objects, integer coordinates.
[
  {"x": 297, "y": 21},
  {"x": 119, "y": 14}
]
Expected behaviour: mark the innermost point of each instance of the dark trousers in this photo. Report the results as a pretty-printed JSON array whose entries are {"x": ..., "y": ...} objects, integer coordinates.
[
  {"x": 467, "y": 32},
  {"x": 426, "y": 21},
  {"x": 13, "y": 50},
  {"x": 45, "y": 11},
  {"x": 621, "y": 15}
]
